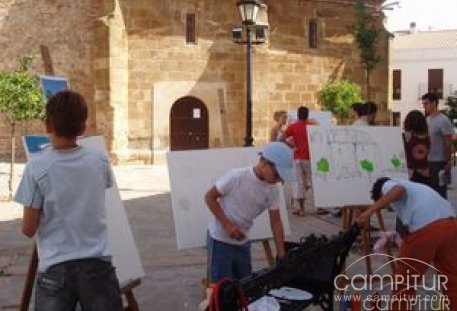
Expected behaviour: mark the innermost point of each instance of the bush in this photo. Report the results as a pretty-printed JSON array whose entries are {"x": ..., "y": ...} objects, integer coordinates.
[{"x": 338, "y": 98}]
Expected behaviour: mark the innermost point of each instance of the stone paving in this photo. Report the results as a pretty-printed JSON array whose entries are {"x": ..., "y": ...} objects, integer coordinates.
[{"x": 173, "y": 278}]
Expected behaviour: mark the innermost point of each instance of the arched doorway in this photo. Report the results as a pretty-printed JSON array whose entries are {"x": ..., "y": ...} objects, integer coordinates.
[{"x": 189, "y": 125}]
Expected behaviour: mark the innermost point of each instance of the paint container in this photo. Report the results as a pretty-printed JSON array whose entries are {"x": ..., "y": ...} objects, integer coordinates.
[
  {"x": 346, "y": 303},
  {"x": 444, "y": 178},
  {"x": 356, "y": 299}
]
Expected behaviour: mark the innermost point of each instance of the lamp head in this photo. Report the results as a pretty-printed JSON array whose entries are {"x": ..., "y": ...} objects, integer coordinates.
[{"x": 248, "y": 10}]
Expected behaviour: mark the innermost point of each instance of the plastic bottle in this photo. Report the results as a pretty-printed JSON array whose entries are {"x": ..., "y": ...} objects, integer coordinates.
[
  {"x": 444, "y": 178},
  {"x": 346, "y": 303},
  {"x": 356, "y": 302}
]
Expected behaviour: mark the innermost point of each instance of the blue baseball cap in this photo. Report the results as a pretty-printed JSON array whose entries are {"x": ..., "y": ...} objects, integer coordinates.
[{"x": 281, "y": 156}]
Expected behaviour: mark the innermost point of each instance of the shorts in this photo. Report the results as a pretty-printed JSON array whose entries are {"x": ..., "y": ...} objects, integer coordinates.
[
  {"x": 228, "y": 260},
  {"x": 303, "y": 174}
]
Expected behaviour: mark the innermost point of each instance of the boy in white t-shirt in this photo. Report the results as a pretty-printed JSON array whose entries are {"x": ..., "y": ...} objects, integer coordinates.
[
  {"x": 432, "y": 237},
  {"x": 235, "y": 201},
  {"x": 63, "y": 193}
]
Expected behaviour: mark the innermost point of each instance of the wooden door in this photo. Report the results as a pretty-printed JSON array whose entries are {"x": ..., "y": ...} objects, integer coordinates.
[{"x": 189, "y": 124}]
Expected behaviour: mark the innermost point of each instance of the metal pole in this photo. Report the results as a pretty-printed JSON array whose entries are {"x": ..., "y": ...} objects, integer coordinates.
[{"x": 248, "y": 139}]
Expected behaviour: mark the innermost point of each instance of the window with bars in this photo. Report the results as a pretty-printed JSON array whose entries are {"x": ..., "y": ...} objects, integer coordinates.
[
  {"x": 190, "y": 28},
  {"x": 435, "y": 82},
  {"x": 396, "y": 84},
  {"x": 312, "y": 34}
]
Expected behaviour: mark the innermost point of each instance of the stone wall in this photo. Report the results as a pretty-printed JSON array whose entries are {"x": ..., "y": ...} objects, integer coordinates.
[
  {"x": 286, "y": 73},
  {"x": 66, "y": 27},
  {"x": 131, "y": 61}
]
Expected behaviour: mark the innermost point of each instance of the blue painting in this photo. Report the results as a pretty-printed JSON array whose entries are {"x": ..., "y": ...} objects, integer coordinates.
[
  {"x": 35, "y": 144},
  {"x": 52, "y": 85}
]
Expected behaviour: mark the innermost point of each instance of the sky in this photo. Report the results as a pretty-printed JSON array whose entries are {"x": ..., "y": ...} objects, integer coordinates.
[{"x": 428, "y": 15}]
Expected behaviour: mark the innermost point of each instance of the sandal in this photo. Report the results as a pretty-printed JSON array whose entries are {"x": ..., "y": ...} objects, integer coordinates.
[{"x": 299, "y": 213}]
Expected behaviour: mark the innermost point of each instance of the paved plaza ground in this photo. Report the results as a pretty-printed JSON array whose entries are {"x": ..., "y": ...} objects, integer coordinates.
[{"x": 173, "y": 278}]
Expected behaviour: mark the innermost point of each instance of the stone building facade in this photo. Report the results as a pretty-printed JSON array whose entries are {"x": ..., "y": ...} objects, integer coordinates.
[{"x": 130, "y": 59}]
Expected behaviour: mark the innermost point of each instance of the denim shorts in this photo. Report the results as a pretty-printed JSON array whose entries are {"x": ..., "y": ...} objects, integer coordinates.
[
  {"x": 228, "y": 260},
  {"x": 90, "y": 282}
]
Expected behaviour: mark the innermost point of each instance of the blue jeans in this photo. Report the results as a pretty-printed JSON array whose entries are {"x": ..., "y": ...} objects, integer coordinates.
[
  {"x": 227, "y": 260},
  {"x": 91, "y": 282}
]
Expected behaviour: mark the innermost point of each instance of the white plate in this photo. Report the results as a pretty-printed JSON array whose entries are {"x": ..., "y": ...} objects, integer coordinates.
[{"x": 290, "y": 293}]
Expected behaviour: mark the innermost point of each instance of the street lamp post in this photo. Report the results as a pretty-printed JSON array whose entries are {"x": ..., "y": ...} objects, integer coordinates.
[{"x": 248, "y": 12}]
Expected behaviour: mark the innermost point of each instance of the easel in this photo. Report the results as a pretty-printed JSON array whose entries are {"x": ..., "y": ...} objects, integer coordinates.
[
  {"x": 347, "y": 218},
  {"x": 127, "y": 289}
]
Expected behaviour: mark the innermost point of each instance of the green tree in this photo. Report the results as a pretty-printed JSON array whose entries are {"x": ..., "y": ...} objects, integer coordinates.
[
  {"x": 20, "y": 99},
  {"x": 451, "y": 107},
  {"x": 366, "y": 35},
  {"x": 338, "y": 98}
]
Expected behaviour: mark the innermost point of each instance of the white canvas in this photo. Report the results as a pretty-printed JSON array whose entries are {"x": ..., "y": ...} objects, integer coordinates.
[
  {"x": 346, "y": 160},
  {"x": 192, "y": 173},
  {"x": 125, "y": 253}
]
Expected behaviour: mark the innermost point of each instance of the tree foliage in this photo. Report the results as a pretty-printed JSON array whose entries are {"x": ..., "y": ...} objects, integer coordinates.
[
  {"x": 338, "y": 97},
  {"x": 20, "y": 94},
  {"x": 366, "y": 35},
  {"x": 451, "y": 107},
  {"x": 20, "y": 100}
]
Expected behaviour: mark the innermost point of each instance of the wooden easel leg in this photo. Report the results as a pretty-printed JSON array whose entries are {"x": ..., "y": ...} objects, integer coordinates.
[
  {"x": 268, "y": 252},
  {"x": 367, "y": 247},
  {"x": 33, "y": 264},
  {"x": 344, "y": 218},
  {"x": 29, "y": 280},
  {"x": 132, "y": 305}
]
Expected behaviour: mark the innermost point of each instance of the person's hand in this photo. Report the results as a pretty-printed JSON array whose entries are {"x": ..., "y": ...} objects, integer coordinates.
[{"x": 234, "y": 232}]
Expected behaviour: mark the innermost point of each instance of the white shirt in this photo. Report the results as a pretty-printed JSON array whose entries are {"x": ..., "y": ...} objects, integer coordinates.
[
  {"x": 244, "y": 197},
  {"x": 420, "y": 205},
  {"x": 362, "y": 121},
  {"x": 68, "y": 186}
]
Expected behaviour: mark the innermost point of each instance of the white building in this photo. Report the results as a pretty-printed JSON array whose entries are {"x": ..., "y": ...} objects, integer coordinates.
[{"x": 421, "y": 62}]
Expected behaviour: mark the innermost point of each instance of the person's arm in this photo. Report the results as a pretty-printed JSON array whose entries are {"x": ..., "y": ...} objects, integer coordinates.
[
  {"x": 313, "y": 122},
  {"x": 274, "y": 134},
  {"x": 392, "y": 195},
  {"x": 448, "y": 150},
  {"x": 212, "y": 201},
  {"x": 278, "y": 231},
  {"x": 287, "y": 138},
  {"x": 30, "y": 221}
]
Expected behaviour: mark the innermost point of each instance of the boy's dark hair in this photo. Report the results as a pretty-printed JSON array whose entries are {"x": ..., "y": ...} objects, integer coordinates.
[
  {"x": 370, "y": 107},
  {"x": 415, "y": 122},
  {"x": 431, "y": 97},
  {"x": 302, "y": 113},
  {"x": 376, "y": 191},
  {"x": 67, "y": 110},
  {"x": 359, "y": 109}
]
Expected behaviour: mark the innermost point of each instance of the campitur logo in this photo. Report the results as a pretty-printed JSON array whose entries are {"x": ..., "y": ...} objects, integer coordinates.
[{"x": 384, "y": 291}]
